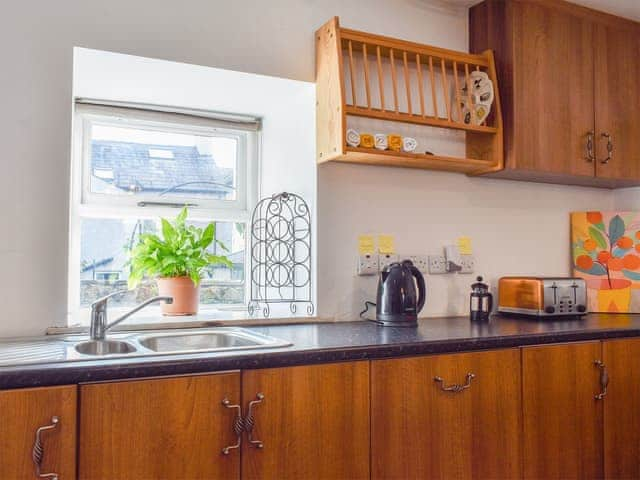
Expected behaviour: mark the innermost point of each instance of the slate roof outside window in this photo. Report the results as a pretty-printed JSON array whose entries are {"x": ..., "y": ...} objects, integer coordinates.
[{"x": 119, "y": 167}]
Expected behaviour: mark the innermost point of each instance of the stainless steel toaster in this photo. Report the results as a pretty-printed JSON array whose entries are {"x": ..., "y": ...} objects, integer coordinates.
[{"x": 542, "y": 296}]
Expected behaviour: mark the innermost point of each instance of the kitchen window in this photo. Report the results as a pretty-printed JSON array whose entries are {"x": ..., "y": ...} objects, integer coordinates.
[{"x": 132, "y": 166}]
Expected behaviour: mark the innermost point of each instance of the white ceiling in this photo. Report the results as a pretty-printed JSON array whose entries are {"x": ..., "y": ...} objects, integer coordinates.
[{"x": 623, "y": 8}]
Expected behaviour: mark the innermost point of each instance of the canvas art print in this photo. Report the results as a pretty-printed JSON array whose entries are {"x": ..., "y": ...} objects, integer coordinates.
[{"x": 606, "y": 253}]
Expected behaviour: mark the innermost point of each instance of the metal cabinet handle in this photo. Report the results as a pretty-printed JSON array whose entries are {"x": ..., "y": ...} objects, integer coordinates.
[
  {"x": 590, "y": 153},
  {"x": 604, "y": 379},
  {"x": 455, "y": 387},
  {"x": 238, "y": 426},
  {"x": 37, "y": 454},
  {"x": 609, "y": 148},
  {"x": 250, "y": 421}
]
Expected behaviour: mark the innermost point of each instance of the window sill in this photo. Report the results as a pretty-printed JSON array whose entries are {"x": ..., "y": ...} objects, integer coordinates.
[{"x": 205, "y": 318}]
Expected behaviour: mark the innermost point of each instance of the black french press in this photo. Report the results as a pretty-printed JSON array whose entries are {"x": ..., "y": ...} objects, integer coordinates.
[{"x": 481, "y": 302}]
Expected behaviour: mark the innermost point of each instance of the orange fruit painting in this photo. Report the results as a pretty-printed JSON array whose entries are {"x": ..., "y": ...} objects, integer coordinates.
[{"x": 605, "y": 249}]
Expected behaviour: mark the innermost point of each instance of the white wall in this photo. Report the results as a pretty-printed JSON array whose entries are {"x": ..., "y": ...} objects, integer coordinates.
[
  {"x": 522, "y": 224},
  {"x": 627, "y": 199},
  {"x": 516, "y": 228}
]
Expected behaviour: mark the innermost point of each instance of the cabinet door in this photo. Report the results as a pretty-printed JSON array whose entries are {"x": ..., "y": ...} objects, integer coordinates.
[
  {"x": 622, "y": 409},
  {"x": 22, "y": 413},
  {"x": 423, "y": 428},
  {"x": 618, "y": 100},
  {"x": 553, "y": 89},
  {"x": 562, "y": 418},
  {"x": 312, "y": 422},
  {"x": 169, "y": 428}
]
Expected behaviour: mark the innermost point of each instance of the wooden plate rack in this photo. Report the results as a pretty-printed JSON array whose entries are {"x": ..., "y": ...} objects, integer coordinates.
[{"x": 422, "y": 97}]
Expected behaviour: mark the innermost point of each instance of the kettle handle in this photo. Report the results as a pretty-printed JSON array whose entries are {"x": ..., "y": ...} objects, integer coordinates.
[
  {"x": 490, "y": 303},
  {"x": 422, "y": 290}
]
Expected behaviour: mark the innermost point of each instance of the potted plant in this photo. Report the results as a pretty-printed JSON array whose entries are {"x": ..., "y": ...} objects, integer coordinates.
[{"x": 176, "y": 261}]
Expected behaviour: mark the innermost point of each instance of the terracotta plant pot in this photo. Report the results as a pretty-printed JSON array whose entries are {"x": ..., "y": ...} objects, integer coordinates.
[{"x": 186, "y": 296}]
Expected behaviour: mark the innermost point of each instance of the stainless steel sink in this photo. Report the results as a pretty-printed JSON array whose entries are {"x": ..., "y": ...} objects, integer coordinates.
[
  {"x": 104, "y": 347},
  {"x": 222, "y": 339},
  {"x": 75, "y": 348}
]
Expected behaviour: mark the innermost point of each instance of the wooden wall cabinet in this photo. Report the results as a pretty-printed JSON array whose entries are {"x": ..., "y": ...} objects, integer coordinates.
[
  {"x": 424, "y": 428},
  {"x": 50, "y": 410},
  {"x": 568, "y": 78}
]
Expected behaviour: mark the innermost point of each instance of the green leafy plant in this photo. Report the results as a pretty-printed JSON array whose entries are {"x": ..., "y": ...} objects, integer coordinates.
[{"x": 182, "y": 251}]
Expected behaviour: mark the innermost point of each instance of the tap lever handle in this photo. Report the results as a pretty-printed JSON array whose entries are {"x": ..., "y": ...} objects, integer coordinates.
[{"x": 103, "y": 300}]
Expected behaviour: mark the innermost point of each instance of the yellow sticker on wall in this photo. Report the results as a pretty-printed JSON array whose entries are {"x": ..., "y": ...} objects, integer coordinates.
[
  {"x": 386, "y": 244},
  {"x": 366, "y": 245},
  {"x": 464, "y": 246}
]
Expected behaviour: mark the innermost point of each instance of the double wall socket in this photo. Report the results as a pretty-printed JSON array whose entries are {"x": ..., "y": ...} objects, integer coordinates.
[
  {"x": 468, "y": 263},
  {"x": 368, "y": 264},
  {"x": 420, "y": 261},
  {"x": 386, "y": 259},
  {"x": 437, "y": 264}
]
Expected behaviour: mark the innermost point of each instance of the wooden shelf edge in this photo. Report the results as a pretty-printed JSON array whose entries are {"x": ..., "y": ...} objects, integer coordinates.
[
  {"x": 415, "y": 119},
  {"x": 358, "y": 36},
  {"x": 387, "y": 158}
]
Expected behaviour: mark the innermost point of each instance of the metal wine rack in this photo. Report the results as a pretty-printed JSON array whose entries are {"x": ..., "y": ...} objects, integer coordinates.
[{"x": 281, "y": 254}]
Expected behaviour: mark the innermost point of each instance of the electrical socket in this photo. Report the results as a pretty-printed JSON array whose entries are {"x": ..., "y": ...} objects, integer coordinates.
[
  {"x": 468, "y": 263},
  {"x": 368, "y": 264},
  {"x": 386, "y": 259},
  {"x": 437, "y": 264},
  {"x": 420, "y": 261}
]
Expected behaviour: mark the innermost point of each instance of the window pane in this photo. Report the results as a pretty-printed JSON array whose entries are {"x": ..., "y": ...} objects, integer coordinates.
[
  {"x": 103, "y": 263},
  {"x": 139, "y": 161}
]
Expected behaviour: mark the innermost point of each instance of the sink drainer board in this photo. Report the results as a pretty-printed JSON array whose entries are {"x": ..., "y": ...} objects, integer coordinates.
[{"x": 281, "y": 254}]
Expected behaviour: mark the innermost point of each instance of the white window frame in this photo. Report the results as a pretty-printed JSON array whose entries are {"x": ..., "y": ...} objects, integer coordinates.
[{"x": 86, "y": 204}]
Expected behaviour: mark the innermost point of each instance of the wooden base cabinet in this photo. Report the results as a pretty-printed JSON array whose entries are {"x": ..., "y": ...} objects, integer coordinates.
[
  {"x": 564, "y": 411},
  {"x": 622, "y": 409},
  {"x": 446, "y": 416},
  {"x": 168, "y": 428},
  {"x": 309, "y": 422},
  {"x": 46, "y": 416},
  {"x": 562, "y": 417}
]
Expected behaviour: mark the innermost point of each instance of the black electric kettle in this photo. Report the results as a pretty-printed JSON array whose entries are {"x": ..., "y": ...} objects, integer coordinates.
[{"x": 398, "y": 303}]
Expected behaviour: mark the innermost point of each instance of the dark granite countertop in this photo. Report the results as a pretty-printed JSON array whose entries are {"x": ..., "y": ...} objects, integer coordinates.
[{"x": 329, "y": 342}]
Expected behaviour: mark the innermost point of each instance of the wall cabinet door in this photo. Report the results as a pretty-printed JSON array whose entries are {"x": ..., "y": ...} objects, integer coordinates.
[
  {"x": 169, "y": 428},
  {"x": 562, "y": 417},
  {"x": 311, "y": 422},
  {"x": 553, "y": 89},
  {"x": 50, "y": 410},
  {"x": 622, "y": 409},
  {"x": 423, "y": 428},
  {"x": 564, "y": 71},
  {"x": 618, "y": 101}
]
